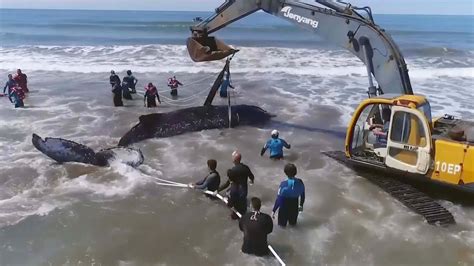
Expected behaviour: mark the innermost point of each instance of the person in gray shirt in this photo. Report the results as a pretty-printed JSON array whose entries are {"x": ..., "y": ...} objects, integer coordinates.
[{"x": 212, "y": 181}]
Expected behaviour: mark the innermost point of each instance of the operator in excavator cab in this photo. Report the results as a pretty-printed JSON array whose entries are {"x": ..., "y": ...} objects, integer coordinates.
[{"x": 381, "y": 130}]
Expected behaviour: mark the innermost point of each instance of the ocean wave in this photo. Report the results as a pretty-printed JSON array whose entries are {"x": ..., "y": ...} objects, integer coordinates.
[
  {"x": 174, "y": 58},
  {"x": 437, "y": 51}
]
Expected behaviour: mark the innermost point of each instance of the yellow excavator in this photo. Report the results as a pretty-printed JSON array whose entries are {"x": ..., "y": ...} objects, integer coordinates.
[
  {"x": 392, "y": 132},
  {"x": 398, "y": 134}
]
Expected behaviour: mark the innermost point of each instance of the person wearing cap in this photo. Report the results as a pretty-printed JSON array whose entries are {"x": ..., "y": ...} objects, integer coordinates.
[
  {"x": 256, "y": 226},
  {"x": 275, "y": 144},
  {"x": 212, "y": 181},
  {"x": 114, "y": 79},
  {"x": 238, "y": 182},
  {"x": 290, "y": 199},
  {"x": 22, "y": 80}
]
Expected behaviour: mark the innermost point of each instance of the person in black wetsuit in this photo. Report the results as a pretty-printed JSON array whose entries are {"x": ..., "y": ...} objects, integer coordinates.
[
  {"x": 238, "y": 178},
  {"x": 131, "y": 81},
  {"x": 125, "y": 91},
  {"x": 287, "y": 201},
  {"x": 212, "y": 181},
  {"x": 256, "y": 226},
  {"x": 114, "y": 79},
  {"x": 117, "y": 91}
]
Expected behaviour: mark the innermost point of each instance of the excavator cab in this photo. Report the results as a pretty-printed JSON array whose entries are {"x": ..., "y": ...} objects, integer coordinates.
[
  {"x": 393, "y": 133},
  {"x": 208, "y": 48}
]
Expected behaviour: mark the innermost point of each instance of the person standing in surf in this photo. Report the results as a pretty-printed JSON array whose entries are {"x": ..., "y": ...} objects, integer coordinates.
[
  {"x": 238, "y": 182},
  {"x": 117, "y": 91},
  {"x": 131, "y": 81},
  {"x": 125, "y": 91},
  {"x": 212, "y": 181},
  {"x": 22, "y": 80},
  {"x": 256, "y": 226},
  {"x": 11, "y": 83},
  {"x": 114, "y": 78},
  {"x": 275, "y": 144},
  {"x": 173, "y": 83},
  {"x": 16, "y": 96},
  {"x": 290, "y": 199},
  {"x": 150, "y": 94}
]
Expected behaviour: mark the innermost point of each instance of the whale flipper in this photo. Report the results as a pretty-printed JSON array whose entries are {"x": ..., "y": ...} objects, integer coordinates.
[{"x": 63, "y": 150}]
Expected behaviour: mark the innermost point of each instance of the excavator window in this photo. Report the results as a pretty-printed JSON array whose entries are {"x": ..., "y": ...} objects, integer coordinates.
[
  {"x": 426, "y": 110},
  {"x": 406, "y": 129},
  {"x": 371, "y": 130}
]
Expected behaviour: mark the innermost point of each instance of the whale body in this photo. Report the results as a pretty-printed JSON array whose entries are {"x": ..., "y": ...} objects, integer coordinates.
[{"x": 162, "y": 125}]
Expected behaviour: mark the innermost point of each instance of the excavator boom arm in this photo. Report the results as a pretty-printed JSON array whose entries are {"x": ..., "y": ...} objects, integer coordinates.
[{"x": 339, "y": 24}]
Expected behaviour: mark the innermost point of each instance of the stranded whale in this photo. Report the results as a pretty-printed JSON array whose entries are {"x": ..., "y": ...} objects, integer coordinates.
[
  {"x": 161, "y": 125},
  {"x": 63, "y": 150}
]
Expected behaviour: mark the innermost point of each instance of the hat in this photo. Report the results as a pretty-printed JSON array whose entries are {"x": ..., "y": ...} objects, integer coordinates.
[{"x": 275, "y": 133}]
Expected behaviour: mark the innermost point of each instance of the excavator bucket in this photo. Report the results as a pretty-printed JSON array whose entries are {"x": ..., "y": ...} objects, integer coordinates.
[{"x": 208, "y": 49}]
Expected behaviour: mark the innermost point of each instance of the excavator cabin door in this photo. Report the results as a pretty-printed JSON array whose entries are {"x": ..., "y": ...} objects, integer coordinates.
[{"x": 408, "y": 141}]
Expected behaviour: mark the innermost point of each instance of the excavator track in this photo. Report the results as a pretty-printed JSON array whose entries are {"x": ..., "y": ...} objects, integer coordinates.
[{"x": 414, "y": 199}]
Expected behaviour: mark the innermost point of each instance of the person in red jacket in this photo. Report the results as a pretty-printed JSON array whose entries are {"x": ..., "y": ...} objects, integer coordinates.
[
  {"x": 173, "y": 83},
  {"x": 22, "y": 80},
  {"x": 151, "y": 94}
]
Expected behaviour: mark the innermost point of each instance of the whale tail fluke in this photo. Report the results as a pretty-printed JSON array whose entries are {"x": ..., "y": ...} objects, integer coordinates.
[{"x": 63, "y": 150}]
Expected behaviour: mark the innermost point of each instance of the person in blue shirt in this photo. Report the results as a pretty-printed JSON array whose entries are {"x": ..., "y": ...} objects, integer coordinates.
[
  {"x": 290, "y": 199},
  {"x": 225, "y": 85},
  {"x": 275, "y": 144},
  {"x": 212, "y": 181},
  {"x": 11, "y": 83}
]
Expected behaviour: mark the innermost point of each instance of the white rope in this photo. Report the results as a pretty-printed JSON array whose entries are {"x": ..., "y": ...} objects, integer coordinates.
[
  {"x": 186, "y": 99},
  {"x": 160, "y": 179},
  {"x": 240, "y": 216},
  {"x": 170, "y": 183},
  {"x": 179, "y": 105},
  {"x": 276, "y": 255},
  {"x": 192, "y": 83}
]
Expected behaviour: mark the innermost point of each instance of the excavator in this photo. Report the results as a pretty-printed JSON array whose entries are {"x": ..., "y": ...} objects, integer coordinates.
[{"x": 392, "y": 134}]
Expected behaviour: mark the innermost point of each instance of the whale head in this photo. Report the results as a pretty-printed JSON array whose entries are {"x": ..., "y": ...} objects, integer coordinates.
[{"x": 251, "y": 115}]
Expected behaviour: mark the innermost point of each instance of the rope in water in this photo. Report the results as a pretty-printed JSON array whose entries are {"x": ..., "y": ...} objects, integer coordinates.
[
  {"x": 169, "y": 183},
  {"x": 192, "y": 83},
  {"x": 219, "y": 196}
]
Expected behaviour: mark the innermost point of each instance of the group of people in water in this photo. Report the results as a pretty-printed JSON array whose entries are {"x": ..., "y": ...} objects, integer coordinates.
[
  {"x": 16, "y": 88},
  {"x": 127, "y": 87},
  {"x": 256, "y": 225}
]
